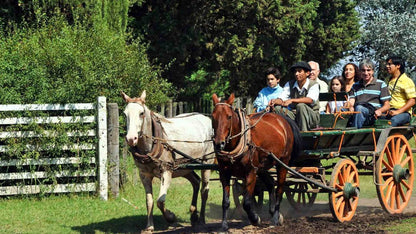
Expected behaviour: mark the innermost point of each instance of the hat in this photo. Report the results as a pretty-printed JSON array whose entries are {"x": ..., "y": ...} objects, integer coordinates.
[{"x": 302, "y": 64}]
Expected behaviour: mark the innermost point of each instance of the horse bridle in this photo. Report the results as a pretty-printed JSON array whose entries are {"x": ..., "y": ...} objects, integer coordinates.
[{"x": 229, "y": 137}]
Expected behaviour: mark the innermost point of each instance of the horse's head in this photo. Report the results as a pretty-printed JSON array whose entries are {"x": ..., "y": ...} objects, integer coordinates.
[
  {"x": 222, "y": 121},
  {"x": 135, "y": 112}
]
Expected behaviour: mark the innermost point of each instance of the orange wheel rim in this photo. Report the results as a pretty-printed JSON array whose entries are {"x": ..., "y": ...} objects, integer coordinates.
[
  {"x": 344, "y": 178},
  {"x": 395, "y": 174}
]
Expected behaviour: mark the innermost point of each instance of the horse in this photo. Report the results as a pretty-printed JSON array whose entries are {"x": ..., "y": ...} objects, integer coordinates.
[
  {"x": 245, "y": 148},
  {"x": 160, "y": 145}
]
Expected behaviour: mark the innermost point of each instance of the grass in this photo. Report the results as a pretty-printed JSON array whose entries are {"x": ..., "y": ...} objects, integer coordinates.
[{"x": 85, "y": 213}]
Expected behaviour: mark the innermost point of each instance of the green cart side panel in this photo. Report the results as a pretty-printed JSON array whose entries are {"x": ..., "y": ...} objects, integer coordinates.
[
  {"x": 333, "y": 121},
  {"x": 353, "y": 140}
]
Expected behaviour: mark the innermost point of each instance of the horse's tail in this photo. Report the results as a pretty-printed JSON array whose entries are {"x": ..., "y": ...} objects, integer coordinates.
[{"x": 297, "y": 140}]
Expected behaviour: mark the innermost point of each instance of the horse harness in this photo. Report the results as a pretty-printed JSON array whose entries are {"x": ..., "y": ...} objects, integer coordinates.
[
  {"x": 245, "y": 144},
  {"x": 159, "y": 145}
]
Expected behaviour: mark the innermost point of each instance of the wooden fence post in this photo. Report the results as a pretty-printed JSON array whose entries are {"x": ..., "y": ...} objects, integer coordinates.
[
  {"x": 102, "y": 148},
  {"x": 113, "y": 149},
  {"x": 169, "y": 109}
]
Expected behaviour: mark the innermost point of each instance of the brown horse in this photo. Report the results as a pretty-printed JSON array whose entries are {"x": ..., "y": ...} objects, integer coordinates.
[{"x": 245, "y": 146}]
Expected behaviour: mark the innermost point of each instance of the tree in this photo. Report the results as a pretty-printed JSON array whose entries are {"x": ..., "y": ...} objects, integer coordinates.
[
  {"x": 74, "y": 51},
  {"x": 388, "y": 28},
  {"x": 241, "y": 38}
]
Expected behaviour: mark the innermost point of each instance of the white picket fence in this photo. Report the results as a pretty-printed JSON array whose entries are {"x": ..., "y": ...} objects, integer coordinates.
[{"x": 12, "y": 170}]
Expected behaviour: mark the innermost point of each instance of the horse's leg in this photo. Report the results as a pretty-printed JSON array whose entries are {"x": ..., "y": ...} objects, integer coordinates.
[
  {"x": 250, "y": 183},
  {"x": 268, "y": 181},
  {"x": 195, "y": 181},
  {"x": 281, "y": 178},
  {"x": 147, "y": 184},
  {"x": 204, "y": 193},
  {"x": 165, "y": 180},
  {"x": 225, "y": 178}
]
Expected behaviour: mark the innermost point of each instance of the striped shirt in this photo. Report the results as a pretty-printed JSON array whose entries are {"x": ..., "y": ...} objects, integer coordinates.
[{"x": 375, "y": 93}]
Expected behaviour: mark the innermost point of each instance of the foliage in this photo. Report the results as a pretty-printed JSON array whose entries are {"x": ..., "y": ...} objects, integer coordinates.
[
  {"x": 58, "y": 58},
  {"x": 196, "y": 86},
  {"x": 388, "y": 28},
  {"x": 243, "y": 37}
]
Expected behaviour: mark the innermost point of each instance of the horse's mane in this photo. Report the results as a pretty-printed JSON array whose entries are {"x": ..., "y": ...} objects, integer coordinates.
[{"x": 162, "y": 118}]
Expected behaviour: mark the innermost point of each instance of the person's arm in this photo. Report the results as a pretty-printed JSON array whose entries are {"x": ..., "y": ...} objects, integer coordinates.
[
  {"x": 306, "y": 100},
  {"x": 284, "y": 95},
  {"x": 258, "y": 102},
  {"x": 327, "y": 109},
  {"x": 313, "y": 96},
  {"x": 351, "y": 102},
  {"x": 384, "y": 108},
  {"x": 409, "y": 104}
]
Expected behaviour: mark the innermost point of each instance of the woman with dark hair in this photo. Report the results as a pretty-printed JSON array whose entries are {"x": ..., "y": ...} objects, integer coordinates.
[{"x": 351, "y": 74}]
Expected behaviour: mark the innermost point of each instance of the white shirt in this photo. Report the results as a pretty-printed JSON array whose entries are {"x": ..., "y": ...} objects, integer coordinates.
[
  {"x": 313, "y": 92},
  {"x": 323, "y": 89}
]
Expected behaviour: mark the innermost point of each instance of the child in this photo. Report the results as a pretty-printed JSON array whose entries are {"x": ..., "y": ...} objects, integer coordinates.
[
  {"x": 336, "y": 85},
  {"x": 272, "y": 90}
]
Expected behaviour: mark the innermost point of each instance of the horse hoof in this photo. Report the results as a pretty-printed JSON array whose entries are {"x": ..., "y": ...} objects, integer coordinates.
[
  {"x": 194, "y": 219},
  {"x": 278, "y": 221},
  {"x": 224, "y": 226},
  {"x": 149, "y": 229},
  {"x": 256, "y": 221},
  {"x": 170, "y": 216}
]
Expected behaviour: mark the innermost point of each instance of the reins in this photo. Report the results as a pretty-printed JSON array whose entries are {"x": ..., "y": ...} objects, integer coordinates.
[{"x": 160, "y": 143}]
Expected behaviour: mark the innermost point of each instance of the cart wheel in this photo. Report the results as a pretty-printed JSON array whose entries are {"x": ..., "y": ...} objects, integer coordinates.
[
  {"x": 394, "y": 174},
  {"x": 344, "y": 178},
  {"x": 298, "y": 196}
]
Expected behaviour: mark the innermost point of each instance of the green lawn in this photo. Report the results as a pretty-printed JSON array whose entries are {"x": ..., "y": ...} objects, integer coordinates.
[{"x": 85, "y": 213}]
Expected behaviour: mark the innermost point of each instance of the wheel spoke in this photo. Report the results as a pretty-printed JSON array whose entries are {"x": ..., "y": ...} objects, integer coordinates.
[
  {"x": 405, "y": 161},
  {"x": 338, "y": 194},
  {"x": 401, "y": 192},
  {"x": 346, "y": 173},
  {"x": 341, "y": 179},
  {"x": 394, "y": 152},
  {"x": 385, "y": 174},
  {"x": 389, "y": 155},
  {"x": 392, "y": 195},
  {"x": 405, "y": 184},
  {"x": 386, "y": 183},
  {"x": 352, "y": 177},
  {"x": 387, "y": 165},
  {"x": 341, "y": 205},
  {"x": 389, "y": 188}
]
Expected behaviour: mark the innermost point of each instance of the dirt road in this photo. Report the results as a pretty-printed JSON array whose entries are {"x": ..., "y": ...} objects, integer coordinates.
[{"x": 368, "y": 219}]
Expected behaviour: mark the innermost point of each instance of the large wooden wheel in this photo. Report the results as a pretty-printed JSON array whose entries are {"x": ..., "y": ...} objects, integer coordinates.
[
  {"x": 344, "y": 202},
  {"x": 394, "y": 174},
  {"x": 299, "y": 196}
]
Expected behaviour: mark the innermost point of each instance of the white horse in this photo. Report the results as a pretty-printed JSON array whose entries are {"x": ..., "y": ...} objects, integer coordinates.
[{"x": 159, "y": 145}]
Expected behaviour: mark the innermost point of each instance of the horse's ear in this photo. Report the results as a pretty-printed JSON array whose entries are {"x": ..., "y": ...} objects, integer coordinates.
[
  {"x": 231, "y": 99},
  {"x": 215, "y": 99},
  {"x": 143, "y": 96},
  {"x": 125, "y": 97}
]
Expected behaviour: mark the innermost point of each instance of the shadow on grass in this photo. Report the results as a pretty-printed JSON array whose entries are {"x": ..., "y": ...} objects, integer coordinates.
[{"x": 128, "y": 224}]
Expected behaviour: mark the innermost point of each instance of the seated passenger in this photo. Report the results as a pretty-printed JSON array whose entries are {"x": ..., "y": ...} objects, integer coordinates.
[
  {"x": 299, "y": 99},
  {"x": 323, "y": 86},
  {"x": 402, "y": 90},
  {"x": 270, "y": 92},
  {"x": 371, "y": 96},
  {"x": 336, "y": 85}
]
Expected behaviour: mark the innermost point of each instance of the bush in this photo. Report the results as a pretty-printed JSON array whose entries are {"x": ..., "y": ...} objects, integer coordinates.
[{"x": 61, "y": 63}]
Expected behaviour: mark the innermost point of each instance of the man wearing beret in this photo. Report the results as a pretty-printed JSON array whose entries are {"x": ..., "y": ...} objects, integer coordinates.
[{"x": 300, "y": 98}]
